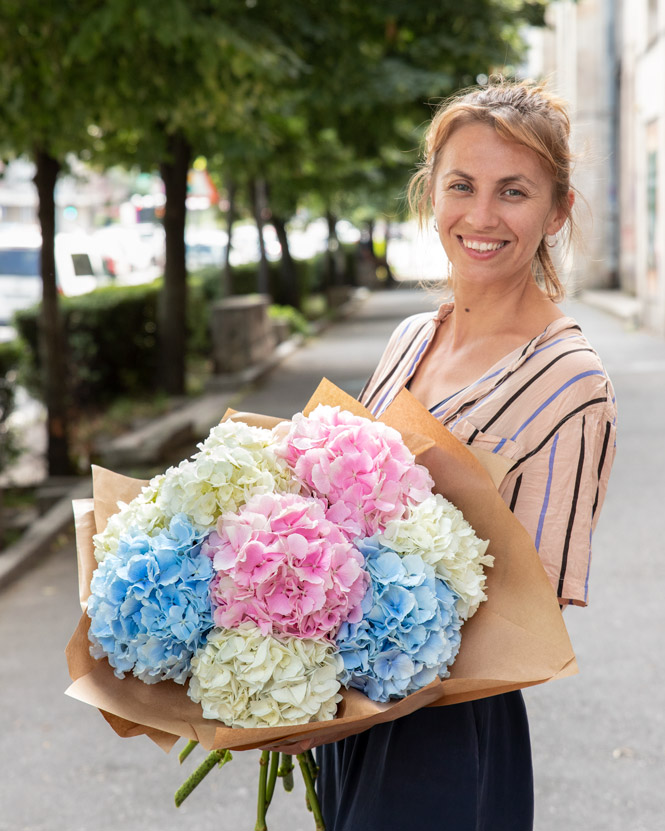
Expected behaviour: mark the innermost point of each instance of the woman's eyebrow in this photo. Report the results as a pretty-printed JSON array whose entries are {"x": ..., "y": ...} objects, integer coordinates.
[{"x": 518, "y": 177}]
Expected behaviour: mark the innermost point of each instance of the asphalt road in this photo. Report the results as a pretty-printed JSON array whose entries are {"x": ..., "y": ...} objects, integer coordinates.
[{"x": 598, "y": 738}]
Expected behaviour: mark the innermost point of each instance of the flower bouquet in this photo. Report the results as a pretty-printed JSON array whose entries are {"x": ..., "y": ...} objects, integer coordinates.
[{"x": 303, "y": 580}]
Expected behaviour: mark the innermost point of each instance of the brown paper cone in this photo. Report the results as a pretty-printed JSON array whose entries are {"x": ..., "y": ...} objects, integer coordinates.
[{"x": 515, "y": 640}]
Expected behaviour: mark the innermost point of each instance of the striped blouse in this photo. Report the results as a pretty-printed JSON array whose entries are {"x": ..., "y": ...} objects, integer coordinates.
[{"x": 548, "y": 408}]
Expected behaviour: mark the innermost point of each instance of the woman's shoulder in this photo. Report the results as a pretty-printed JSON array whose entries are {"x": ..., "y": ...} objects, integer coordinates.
[
  {"x": 564, "y": 358},
  {"x": 566, "y": 376},
  {"x": 411, "y": 333},
  {"x": 418, "y": 324},
  {"x": 407, "y": 341}
]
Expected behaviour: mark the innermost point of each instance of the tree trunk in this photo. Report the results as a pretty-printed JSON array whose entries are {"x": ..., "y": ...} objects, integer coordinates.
[
  {"x": 333, "y": 275},
  {"x": 51, "y": 335},
  {"x": 227, "y": 273},
  {"x": 370, "y": 235},
  {"x": 257, "y": 195},
  {"x": 173, "y": 301},
  {"x": 289, "y": 290},
  {"x": 390, "y": 280}
]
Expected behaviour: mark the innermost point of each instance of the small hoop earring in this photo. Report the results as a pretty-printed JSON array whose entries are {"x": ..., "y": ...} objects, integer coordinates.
[
  {"x": 552, "y": 244},
  {"x": 436, "y": 227}
]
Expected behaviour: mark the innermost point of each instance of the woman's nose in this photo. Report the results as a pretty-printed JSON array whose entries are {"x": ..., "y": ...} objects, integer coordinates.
[{"x": 482, "y": 212}]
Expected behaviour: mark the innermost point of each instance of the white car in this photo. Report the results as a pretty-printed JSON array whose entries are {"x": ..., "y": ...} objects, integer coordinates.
[
  {"x": 78, "y": 267},
  {"x": 205, "y": 247},
  {"x": 129, "y": 254}
]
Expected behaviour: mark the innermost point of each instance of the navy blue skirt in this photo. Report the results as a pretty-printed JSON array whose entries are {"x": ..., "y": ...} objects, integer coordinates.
[{"x": 465, "y": 767}]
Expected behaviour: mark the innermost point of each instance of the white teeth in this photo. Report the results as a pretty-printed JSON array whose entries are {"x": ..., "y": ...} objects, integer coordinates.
[{"x": 482, "y": 246}]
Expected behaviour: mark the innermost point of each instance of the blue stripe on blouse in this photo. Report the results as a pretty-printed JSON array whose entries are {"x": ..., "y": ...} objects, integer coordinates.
[
  {"x": 413, "y": 364},
  {"x": 549, "y": 346},
  {"x": 546, "y": 403},
  {"x": 385, "y": 395},
  {"x": 546, "y": 498},
  {"x": 498, "y": 372}
]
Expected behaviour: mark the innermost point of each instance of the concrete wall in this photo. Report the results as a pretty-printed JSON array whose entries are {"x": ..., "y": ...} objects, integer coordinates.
[
  {"x": 643, "y": 159},
  {"x": 607, "y": 59},
  {"x": 576, "y": 53}
]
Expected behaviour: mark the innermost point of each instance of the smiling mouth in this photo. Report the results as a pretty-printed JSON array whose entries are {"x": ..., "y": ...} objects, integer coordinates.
[{"x": 475, "y": 245}]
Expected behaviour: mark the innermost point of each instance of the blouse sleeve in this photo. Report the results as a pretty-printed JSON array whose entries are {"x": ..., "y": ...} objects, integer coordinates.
[
  {"x": 405, "y": 346},
  {"x": 557, "y": 495}
]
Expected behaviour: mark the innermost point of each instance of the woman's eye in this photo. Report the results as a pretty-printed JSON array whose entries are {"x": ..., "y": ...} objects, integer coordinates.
[
  {"x": 514, "y": 192},
  {"x": 460, "y": 186}
]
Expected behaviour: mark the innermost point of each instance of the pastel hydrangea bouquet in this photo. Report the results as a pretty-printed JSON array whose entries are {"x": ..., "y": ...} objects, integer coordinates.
[{"x": 276, "y": 569}]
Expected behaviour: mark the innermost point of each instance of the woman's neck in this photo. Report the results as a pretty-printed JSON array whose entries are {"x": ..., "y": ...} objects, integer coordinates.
[{"x": 480, "y": 313}]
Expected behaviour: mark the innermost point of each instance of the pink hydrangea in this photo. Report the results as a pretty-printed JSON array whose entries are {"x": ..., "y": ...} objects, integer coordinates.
[
  {"x": 362, "y": 467},
  {"x": 285, "y": 566}
]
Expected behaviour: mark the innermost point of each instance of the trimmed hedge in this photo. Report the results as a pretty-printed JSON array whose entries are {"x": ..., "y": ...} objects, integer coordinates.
[
  {"x": 11, "y": 357},
  {"x": 111, "y": 337},
  {"x": 310, "y": 274}
]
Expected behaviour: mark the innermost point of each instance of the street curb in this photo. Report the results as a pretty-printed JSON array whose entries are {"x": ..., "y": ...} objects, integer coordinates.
[
  {"x": 614, "y": 302},
  {"x": 26, "y": 552}
]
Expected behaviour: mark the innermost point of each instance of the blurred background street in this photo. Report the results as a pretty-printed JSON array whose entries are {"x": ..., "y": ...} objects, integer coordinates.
[{"x": 202, "y": 205}]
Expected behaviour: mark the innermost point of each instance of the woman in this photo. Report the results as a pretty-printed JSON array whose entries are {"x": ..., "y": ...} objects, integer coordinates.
[{"x": 506, "y": 371}]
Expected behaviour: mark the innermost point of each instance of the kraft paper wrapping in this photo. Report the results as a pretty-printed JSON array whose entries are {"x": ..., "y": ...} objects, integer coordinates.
[{"x": 516, "y": 639}]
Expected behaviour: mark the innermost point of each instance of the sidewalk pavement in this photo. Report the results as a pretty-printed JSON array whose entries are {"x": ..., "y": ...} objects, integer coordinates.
[{"x": 623, "y": 306}]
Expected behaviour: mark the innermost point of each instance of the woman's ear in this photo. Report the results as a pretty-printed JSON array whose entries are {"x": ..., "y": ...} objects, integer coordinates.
[{"x": 559, "y": 217}]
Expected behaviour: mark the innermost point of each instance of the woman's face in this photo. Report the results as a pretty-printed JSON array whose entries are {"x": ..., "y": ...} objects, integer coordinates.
[{"x": 493, "y": 203}]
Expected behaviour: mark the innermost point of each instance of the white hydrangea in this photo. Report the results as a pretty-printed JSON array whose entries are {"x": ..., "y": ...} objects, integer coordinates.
[
  {"x": 233, "y": 463},
  {"x": 141, "y": 513},
  {"x": 246, "y": 679},
  {"x": 437, "y": 531}
]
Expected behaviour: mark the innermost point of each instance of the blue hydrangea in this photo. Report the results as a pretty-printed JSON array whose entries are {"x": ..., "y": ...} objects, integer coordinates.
[
  {"x": 410, "y": 630},
  {"x": 150, "y": 607}
]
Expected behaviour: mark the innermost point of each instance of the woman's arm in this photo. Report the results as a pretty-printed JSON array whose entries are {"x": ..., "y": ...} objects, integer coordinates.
[{"x": 557, "y": 492}]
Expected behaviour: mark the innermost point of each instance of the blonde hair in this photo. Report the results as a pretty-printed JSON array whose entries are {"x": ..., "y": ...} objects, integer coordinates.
[{"x": 524, "y": 112}]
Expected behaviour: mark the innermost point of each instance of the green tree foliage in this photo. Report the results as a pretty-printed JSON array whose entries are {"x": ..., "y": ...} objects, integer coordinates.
[
  {"x": 301, "y": 96},
  {"x": 44, "y": 108},
  {"x": 170, "y": 76},
  {"x": 346, "y": 130}
]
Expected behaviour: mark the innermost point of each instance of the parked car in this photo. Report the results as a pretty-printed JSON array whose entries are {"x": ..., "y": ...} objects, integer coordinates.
[
  {"x": 128, "y": 254},
  {"x": 78, "y": 267},
  {"x": 205, "y": 247},
  {"x": 245, "y": 244}
]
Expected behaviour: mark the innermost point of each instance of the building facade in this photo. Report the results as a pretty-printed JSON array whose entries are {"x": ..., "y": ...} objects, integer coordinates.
[
  {"x": 642, "y": 157},
  {"x": 607, "y": 59}
]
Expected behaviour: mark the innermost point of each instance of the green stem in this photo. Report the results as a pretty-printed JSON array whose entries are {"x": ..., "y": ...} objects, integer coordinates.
[
  {"x": 184, "y": 753},
  {"x": 312, "y": 799},
  {"x": 313, "y": 767},
  {"x": 198, "y": 776},
  {"x": 227, "y": 757},
  {"x": 261, "y": 803},
  {"x": 272, "y": 777},
  {"x": 286, "y": 771}
]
